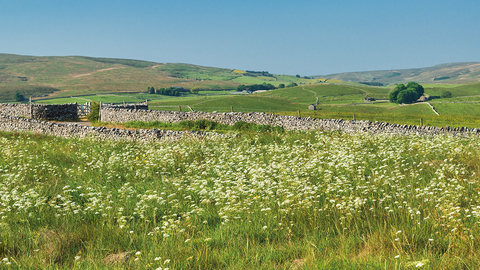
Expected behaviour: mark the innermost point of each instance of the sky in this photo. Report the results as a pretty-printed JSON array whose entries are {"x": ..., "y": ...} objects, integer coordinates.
[{"x": 282, "y": 37}]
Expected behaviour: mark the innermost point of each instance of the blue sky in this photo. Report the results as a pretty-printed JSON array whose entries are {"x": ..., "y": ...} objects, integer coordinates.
[{"x": 282, "y": 37}]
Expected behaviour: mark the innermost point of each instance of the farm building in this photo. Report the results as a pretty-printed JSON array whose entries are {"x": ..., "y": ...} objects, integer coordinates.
[{"x": 312, "y": 107}]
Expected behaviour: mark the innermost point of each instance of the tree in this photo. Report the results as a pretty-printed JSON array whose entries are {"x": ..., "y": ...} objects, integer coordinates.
[
  {"x": 195, "y": 90},
  {"x": 393, "y": 95},
  {"x": 19, "y": 97},
  {"x": 446, "y": 94},
  {"x": 241, "y": 88},
  {"x": 417, "y": 88},
  {"x": 406, "y": 96},
  {"x": 415, "y": 92},
  {"x": 151, "y": 90},
  {"x": 291, "y": 84},
  {"x": 282, "y": 85}
]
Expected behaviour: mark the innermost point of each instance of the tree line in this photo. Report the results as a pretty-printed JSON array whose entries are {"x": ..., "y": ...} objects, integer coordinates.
[
  {"x": 171, "y": 91},
  {"x": 263, "y": 86}
]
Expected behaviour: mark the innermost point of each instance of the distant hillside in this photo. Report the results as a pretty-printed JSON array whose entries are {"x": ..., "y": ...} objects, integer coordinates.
[
  {"x": 451, "y": 73},
  {"x": 77, "y": 75}
]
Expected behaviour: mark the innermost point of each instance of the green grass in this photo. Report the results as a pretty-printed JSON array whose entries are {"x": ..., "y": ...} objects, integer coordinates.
[
  {"x": 458, "y": 109},
  {"x": 458, "y": 91},
  {"x": 290, "y": 200},
  {"x": 240, "y": 103},
  {"x": 201, "y": 125}
]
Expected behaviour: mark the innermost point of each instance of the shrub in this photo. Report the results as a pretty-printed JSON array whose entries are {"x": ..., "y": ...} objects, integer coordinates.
[
  {"x": 446, "y": 94},
  {"x": 94, "y": 112},
  {"x": 19, "y": 97}
]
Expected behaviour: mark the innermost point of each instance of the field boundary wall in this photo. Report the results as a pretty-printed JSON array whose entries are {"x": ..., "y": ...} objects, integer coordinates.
[
  {"x": 41, "y": 111},
  {"x": 73, "y": 130},
  {"x": 116, "y": 115}
]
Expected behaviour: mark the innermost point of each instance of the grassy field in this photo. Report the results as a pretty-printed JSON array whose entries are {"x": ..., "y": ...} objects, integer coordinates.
[
  {"x": 458, "y": 109},
  {"x": 290, "y": 200}
]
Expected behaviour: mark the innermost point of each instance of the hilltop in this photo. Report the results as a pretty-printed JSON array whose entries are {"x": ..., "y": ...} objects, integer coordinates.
[{"x": 451, "y": 73}]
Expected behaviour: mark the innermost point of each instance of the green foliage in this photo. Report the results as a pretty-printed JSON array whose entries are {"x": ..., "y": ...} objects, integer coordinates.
[
  {"x": 392, "y": 97},
  {"x": 372, "y": 83},
  {"x": 291, "y": 85},
  {"x": 282, "y": 85},
  {"x": 406, "y": 93},
  {"x": 94, "y": 112},
  {"x": 406, "y": 96},
  {"x": 204, "y": 125},
  {"x": 417, "y": 88},
  {"x": 446, "y": 94},
  {"x": 241, "y": 87},
  {"x": 151, "y": 90},
  {"x": 258, "y": 73},
  {"x": 19, "y": 97},
  {"x": 441, "y": 78},
  {"x": 255, "y": 87},
  {"x": 195, "y": 90},
  {"x": 171, "y": 91}
]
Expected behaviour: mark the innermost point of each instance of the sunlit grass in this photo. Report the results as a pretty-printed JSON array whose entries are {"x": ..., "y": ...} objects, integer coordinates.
[{"x": 258, "y": 200}]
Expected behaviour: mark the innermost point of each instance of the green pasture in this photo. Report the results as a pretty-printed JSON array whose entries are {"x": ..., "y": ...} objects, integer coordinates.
[
  {"x": 62, "y": 101},
  {"x": 242, "y": 103},
  {"x": 457, "y": 99},
  {"x": 457, "y": 109},
  {"x": 457, "y": 91}
]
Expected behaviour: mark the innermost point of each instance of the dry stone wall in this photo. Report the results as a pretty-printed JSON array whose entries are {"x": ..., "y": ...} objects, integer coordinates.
[
  {"x": 140, "y": 106},
  {"x": 20, "y": 110},
  {"x": 41, "y": 111},
  {"x": 116, "y": 115},
  {"x": 13, "y": 123},
  {"x": 55, "y": 111},
  {"x": 72, "y": 130}
]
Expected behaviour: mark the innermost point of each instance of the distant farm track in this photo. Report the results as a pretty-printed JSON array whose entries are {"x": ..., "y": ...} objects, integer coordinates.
[{"x": 90, "y": 73}]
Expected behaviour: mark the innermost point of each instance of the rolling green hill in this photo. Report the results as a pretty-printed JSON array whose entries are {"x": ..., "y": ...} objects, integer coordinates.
[
  {"x": 451, "y": 73},
  {"x": 79, "y": 75}
]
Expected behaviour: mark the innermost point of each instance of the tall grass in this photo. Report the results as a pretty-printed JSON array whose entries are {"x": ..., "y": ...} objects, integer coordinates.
[
  {"x": 202, "y": 125},
  {"x": 267, "y": 201}
]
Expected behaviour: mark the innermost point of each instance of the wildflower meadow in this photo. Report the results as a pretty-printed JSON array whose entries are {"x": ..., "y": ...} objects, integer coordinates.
[{"x": 260, "y": 200}]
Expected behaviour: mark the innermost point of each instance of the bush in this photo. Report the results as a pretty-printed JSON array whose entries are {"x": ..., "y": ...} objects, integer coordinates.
[
  {"x": 195, "y": 90},
  {"x": 446, "y": 94},
  {"x": 94, "y": 112},
  {"x": 19, "y": 97}
]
